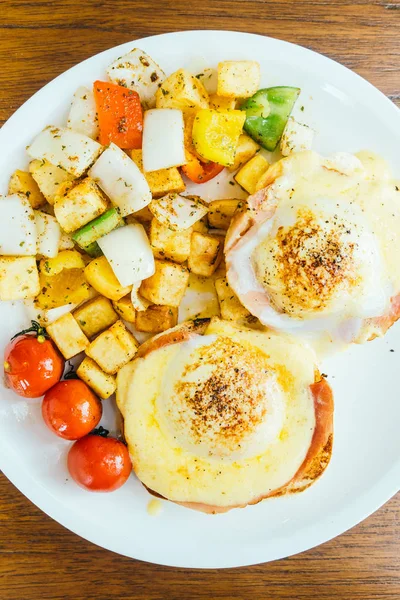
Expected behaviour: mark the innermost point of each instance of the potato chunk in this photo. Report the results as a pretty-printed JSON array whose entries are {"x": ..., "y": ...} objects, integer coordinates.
[
  {"x": 67, "y": 336},
  {"x": 238, "y": 78},
  {"x": 245, "y": 150},
  {"x": 95, "y": 316},
  {"x": 22, "y": 182},
  {"x": 165, "y": 243},
  {"x": 125, "y": 308},
  {"x": 19, "y": 277},
  {"x": 230, "y": 306},
  {"x": 250, "y": 173},
  {"x": 183, "y": 91},
  {"x": 156, "y": 318},
  {"x": 164, "y": 181},
  {"x": 221, "y": 212},
  {"x": 78, "y": 206},
  {"x": 113, "y": 348},
  {"x": 205, "y": 254},
  {"x": 168, "y": 284},
  {"x": 103, "y": 384}
]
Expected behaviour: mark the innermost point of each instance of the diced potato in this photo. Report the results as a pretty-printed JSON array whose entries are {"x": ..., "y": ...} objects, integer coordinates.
[
  {"x": 251, "y": 172},
  {"x": 19, "y": 277},
  {"x": 51, "y": 180},
  {"x": 166, "y": 243},
  {"x": 113, "y": 348},
  {"x": 142, "y": 216},
  {"x": 95, "y": 316},
  {"x": 68, "y": 259},
  {"x": 82, "y": 116},
  {"x": 238, "y": 78},
  {"x": 81, "y": 204},
  {"x": 137, "y": 71},
  {"x": 69, "y": 149},
  {"x": 125, "y": 308},
  {"x": 178, "y": 212},
  {"x": 183, "y": 91},
  {"x": 216, "y": 134},
  {"x": 101, "y": 383},
  {"x": 205, "y": 254},
  {"x": 22, "y": 182},
  {"x": 221, "y": 212},
  {"x": 67, "y": 336},
  {"x": 156, "y": 318},
  {"x": 101, "y": 276},
  {"x": 221, "y": 103},
  {"x": 245, "y": 150},
  {"x": 202, "y": 225},
  {"x": 62, "y": 280},
  {"x": 168, "y": 284},
  {"x": 231, "y": 308},
  {"x": 160, "y": 182},
  {"x": 296, "y": 137}
]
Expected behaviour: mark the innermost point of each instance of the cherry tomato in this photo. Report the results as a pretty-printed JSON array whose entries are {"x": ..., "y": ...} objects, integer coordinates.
[
  {"x": 32, "y": 365},
  {"x": 71, "y": 410},
  {"x": 99, "y": 464},
  {"x": 199, "y": 171}
]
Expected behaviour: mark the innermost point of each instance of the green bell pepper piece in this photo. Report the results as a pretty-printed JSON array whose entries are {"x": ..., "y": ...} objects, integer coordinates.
[{"x": 267, "y": 113}]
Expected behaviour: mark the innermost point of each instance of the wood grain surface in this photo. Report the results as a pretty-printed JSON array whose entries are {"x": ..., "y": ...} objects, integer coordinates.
[{"x": 39, "y": 559}]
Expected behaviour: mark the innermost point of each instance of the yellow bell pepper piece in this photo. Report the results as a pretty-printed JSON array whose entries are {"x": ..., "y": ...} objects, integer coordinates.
[
  {"x": 62, "y": 280},
  {"x": 216, "y": 134},
  {"x": 67, "y": 259}
]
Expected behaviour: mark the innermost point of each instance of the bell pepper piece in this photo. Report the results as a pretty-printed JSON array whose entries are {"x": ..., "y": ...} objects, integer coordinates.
[
  {"x": 267, "y": 113},
  {"x": 120, "y": 115},
  {"x": 199, "y": 171},
  {"x": 216, "y": 134}
]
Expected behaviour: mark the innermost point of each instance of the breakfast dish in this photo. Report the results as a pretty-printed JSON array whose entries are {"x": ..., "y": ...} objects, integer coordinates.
[{"x": 185, "y": 241}]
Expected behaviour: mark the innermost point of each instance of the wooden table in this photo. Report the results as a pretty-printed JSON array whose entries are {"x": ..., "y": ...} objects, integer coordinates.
[{"x": 39, "y": 559}]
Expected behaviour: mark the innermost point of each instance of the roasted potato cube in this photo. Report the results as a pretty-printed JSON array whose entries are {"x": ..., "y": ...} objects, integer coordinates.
[
  {"x": 101, "y": 276},
  {"x": 245, "y": 150},
  {"x": 95, "y": 316},
  {"x": 165, "y": 243},
  {"x": 125, "y": 308},
  {"x": 230, "y": 306},
  {"x": 201, "y": 226},
  {"x": 101, "y": 383},
  {"x": 183, "y": 91},
  {"x": 221, "y": 212},
  {"x": 238, "y": 78},
  {"x": 142, "y": 216},
  {"x": 67, "y": 336},
  {"x": 205, "y": 253},
  {"x": 19, "y": 277},
  {"x": 78, "y": 206},
  {"x": 113, "y": 348},
  {"x": 168, "y": 284},
  {"x": 164, "y": 181},
  {"x": 156, "y": 318},
  {"x": 51, "y": 180},
  {"x": 251, "y": 172},
  {"x": 22, "y": 182},
  {"x": 221, "y": 103}
]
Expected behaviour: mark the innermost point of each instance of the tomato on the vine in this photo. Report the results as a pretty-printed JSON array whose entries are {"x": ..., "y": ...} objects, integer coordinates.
[
  {"x": 99, "y": 464},
  {"x": 71, "y": 410},
  {"x": 32, "y": 363}
]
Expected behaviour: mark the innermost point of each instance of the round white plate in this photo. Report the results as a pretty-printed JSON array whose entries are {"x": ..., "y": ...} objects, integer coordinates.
[{"x": 349, "y": 114}]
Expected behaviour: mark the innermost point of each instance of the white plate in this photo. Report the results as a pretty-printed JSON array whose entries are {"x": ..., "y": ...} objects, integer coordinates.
[{"x": 348, "y": 114}]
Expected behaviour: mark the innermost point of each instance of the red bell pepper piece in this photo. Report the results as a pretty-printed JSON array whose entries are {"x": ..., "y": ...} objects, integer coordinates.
[
  {"x": 120, "y": 115},
  {"x": 199, "y": 171}
]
